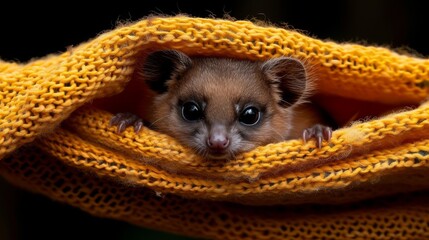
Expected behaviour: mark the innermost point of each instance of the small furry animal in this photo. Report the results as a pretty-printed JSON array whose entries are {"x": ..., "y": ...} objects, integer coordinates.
[{"x": 221, "y": 106}]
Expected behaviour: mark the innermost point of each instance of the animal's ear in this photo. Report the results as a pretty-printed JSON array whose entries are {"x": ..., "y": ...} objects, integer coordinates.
[
  {"x": 289, "y": 76},
  {"x": 162, "y": 66}
]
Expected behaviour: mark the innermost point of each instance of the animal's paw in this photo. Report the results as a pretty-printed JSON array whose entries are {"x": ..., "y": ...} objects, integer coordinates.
[
  {"x": 124, "y": 120},
  {"x": 317, "y": 132}
]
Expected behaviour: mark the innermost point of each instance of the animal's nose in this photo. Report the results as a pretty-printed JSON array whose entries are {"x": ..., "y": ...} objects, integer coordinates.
[
  {"x": 218, "y": 139},
  {"x": 219, "y": 142}
]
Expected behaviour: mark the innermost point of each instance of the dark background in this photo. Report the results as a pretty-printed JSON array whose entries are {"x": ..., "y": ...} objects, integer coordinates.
[{"x": 35, "y": 30}]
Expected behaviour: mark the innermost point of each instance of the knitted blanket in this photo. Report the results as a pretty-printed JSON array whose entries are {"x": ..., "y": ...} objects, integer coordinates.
[{"x": 55, "y": 139}]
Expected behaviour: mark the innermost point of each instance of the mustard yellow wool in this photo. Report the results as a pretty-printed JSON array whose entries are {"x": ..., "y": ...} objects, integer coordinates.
[{"x": 55, "y": 141}]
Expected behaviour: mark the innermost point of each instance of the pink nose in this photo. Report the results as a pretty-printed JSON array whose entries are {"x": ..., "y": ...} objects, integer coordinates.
[
  {"x": 218, "y": 139},
  {"x": 218, "y": 142}
]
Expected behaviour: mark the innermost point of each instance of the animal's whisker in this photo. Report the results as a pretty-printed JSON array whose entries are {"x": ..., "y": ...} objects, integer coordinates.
[{"x": 157, "y": 120}]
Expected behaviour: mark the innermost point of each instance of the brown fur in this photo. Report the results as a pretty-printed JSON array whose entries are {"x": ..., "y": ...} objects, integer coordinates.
[{"x": 226, "y": 86}]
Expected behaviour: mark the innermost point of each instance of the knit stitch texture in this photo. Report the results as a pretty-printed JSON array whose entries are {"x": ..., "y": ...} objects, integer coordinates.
[{"x": 55, "y": 142}]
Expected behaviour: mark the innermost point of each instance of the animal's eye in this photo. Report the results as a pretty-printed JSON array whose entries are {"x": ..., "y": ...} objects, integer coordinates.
[
  {"x": 191, "y": 111},
  {"x": 250, "y": 116}
]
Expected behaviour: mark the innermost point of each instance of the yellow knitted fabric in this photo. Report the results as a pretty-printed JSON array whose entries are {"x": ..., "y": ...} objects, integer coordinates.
[{"x": 150, "y": 180}]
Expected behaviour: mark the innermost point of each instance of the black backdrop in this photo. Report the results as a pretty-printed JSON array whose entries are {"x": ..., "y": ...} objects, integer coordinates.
[{"x": 37, "y": 29}]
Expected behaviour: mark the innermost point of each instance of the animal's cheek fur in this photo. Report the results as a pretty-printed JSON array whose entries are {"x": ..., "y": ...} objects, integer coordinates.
[
  {"x": 200, "y": 134},
  {"x": 240, "y": 141},
  {"x": 192, "y": 134},
  {"x": 235, "y": 140}
]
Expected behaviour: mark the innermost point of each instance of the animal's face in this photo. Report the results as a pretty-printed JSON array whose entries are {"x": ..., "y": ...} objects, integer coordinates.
[{"x": 218, "y": 107}]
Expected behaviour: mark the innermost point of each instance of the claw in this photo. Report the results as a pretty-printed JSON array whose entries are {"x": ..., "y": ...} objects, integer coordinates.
[
  {"x": 305, "y": 135},
  {"x": 138, "y": 125},
  {"x": 124, "y": 120},
  {"x": 121, "y": 127},
  {"x": 318, "y": 132},
  {"x": 327, "y": 132},
  {"x": 319, "y": 142},
  {"x": 115, "y": 119}
]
